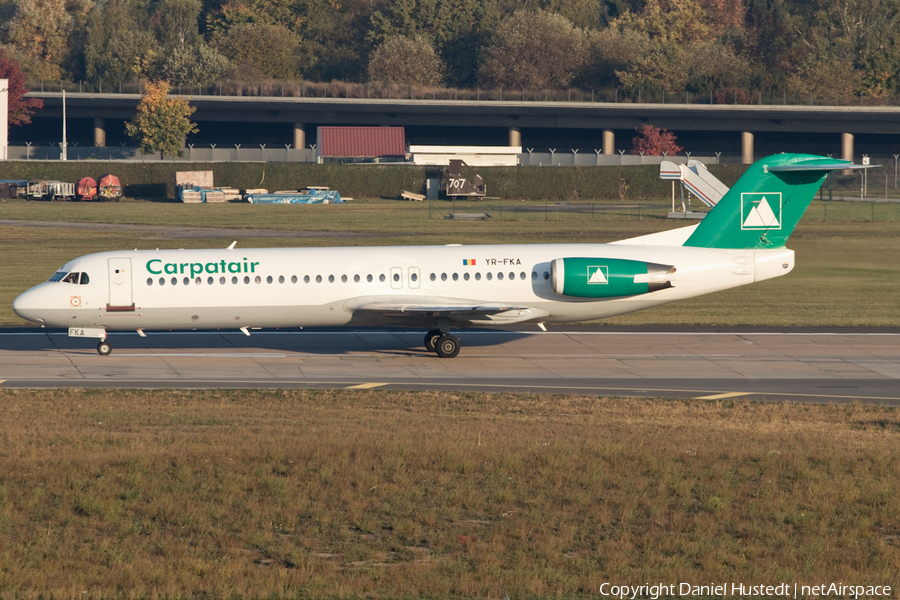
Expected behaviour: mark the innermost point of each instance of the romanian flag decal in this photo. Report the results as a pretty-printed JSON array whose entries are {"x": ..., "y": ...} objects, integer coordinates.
[{"x": 468, "y": 262}]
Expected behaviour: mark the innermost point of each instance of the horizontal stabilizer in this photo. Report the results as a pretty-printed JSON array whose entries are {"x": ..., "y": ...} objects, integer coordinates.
[{"x": 818, "y": 165}]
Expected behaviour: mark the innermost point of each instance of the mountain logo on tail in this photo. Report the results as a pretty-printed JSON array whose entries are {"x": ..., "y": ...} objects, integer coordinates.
[
  {"x": 761, "y": 210},
  {"x": 598, "y": 275}
]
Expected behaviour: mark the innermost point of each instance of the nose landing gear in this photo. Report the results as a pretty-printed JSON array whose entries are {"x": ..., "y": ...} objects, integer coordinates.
[{"x": 104, "y": 348}]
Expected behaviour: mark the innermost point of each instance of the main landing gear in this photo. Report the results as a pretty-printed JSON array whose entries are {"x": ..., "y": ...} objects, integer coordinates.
[
  {"x": 104, "y": 348},
  {"x": 444, "y": 344}
]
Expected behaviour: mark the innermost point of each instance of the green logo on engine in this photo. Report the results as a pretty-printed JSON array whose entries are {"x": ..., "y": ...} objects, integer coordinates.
[
  {"x": 597, "y": 275},
  {"x": 761, "y": 210}
]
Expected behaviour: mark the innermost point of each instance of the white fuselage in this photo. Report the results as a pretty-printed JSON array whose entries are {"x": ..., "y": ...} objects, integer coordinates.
[{"x": 299, "y": 287}]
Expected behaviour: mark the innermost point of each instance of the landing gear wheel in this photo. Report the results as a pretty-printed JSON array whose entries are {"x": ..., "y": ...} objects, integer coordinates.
[
  {"x": 104, "y": 348},
  {"x": 431, "y": 339},
  {"x": 447, "y": 346}
]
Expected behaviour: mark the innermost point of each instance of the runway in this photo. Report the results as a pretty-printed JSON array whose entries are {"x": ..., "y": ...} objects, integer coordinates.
[{"x": 801, "y": 365}]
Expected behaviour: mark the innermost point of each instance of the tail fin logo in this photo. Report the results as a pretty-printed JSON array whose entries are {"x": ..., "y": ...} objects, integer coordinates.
[{"x": 761, "y": 210}]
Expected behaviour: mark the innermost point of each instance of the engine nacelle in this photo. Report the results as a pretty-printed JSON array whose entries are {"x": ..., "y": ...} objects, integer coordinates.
[{"x": 608, "y": 277}]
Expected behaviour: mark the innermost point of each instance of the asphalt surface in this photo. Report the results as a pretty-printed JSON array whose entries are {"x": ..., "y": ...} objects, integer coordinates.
[{"x": 772, "y": 364}]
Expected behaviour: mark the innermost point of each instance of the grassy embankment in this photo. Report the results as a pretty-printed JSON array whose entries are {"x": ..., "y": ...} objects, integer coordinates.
[
  {"x": 848, "y": 265},
  {"x": 401, "y": 495}
]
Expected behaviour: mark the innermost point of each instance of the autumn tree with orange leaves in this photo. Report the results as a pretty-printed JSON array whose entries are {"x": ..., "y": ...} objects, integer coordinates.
[{"x": 161, "y": 123}]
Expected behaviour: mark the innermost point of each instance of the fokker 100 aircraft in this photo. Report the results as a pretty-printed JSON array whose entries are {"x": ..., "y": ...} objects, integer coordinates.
[{"x": 741, "y": 241}]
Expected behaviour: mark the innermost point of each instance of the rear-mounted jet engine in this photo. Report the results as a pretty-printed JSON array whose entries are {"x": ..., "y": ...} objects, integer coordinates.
[{"x": 608, "y": 277}]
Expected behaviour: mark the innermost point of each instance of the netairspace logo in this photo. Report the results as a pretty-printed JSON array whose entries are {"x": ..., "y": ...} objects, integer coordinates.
[
  {"x": 743, "y": 590},
  {"x": 761, "y": 210}
]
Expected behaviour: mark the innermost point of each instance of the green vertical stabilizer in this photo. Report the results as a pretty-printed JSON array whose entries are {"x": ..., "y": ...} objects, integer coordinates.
[{"x": 766, "y": 203}]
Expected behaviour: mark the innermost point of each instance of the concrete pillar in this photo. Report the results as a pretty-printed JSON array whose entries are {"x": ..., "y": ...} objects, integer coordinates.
[
  {"x": 609, "y": 141},
  {"x": 99, "y": 132},
  {"x": 515, "y": 136},
  {"x": 299, "y": 136},
  {"x": 746, "y": 148},
  {"x": 847, "y": 146}
]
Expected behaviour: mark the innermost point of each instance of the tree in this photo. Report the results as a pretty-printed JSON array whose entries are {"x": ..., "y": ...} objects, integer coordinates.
[
  {"x": 178, "y": 24},
  {"x": 455, "y": 29},
  {"x": 118, "y": 46},
  {"x": 653, "y": 141},
  {"x": 20, "y": 108},
  {"x": 676, "y": 21},
  {"x": 194, "y": 66},
  {"x": 537, "y": 50},
  {"x": 37, "y": 36},
  {"x": 609, "y": 51},
  {"x": 405, "y": 61},
  {"x": 161, "y": 123},
  {"x": 269, "y": 49}
]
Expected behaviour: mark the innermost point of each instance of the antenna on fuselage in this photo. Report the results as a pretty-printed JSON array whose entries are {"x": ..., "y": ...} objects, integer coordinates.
[{"x": 233, "y": 244}]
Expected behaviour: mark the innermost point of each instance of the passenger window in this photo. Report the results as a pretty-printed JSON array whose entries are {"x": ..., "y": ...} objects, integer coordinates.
[
  {"x": 318, "y": 279},
  {"x": 331, "y": 279},
  {"x": 414, "y": 277},
  {"x": 149, "y": 281},
  {"x": 396, "y": 276},
  {"x": 281, "y": 279},
  {"x": 85, "y": 279},
  {"x": 500, "y": 276},
  {"x": 512, "y": 275},
  {"x": 234, "y": 280},
  {"x": 306, "y": 279},
  {"x": 186, "y": 281},
  {"x": 162, "y": 281},
  {"x": 174, "y": 281},
  {"x": 246, "y": 279},
  {"x": 456, "y": 277},
  {"x": 343, "y": 279},
  {"x": 269, "y": 279},
  {"x": 209, "y": 280},
  {"x": 433, "y": 277},
  {"x": 522, "y": 275},
  {"x": 293, "y": 279},
  {"x": 198, "y": 281},
  {"x": 369, "y": 278},
  {"x": 258, "y": 279},
  {"x": 466, "y": 276},
  {"x": 443, "y": 277},
  {"x": 533, "y": 275},
  {"x": 489, "y": 275},
  {"x": 356, "y": 278},
  {"x": 381, "y": 277},
  {"x": 477, "y": 276},
  {"x": 222, "y": 280}
]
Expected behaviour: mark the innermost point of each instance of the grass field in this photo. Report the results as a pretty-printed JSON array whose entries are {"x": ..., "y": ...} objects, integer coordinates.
[
  {"x": 319, "y": 494},
  {"x": 848, "y": 253}
]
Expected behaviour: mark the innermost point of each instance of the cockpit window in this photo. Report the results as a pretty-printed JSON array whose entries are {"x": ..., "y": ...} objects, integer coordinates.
[
  {"x": 57, "y": 276},
  {"x": 85, "y": 279},
  {"x": 71, "y": 278}
]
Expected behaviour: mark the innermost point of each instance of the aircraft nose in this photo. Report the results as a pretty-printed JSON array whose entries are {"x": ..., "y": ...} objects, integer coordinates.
[{"x": 26, "y": 305}]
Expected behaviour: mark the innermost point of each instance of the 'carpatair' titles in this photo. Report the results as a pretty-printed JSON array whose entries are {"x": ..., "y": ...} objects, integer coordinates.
[{"x": 157, "y": 267}]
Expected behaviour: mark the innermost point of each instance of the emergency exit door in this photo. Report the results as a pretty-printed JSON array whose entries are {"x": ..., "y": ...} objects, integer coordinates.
[{"x": 120, "y": 292}]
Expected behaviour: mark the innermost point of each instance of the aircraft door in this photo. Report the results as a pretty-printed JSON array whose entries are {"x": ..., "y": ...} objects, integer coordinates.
[
  {"x": 414, "y": 278},
  {"x": 120, "y": 292},
  {"x": 396, "y": 278}
]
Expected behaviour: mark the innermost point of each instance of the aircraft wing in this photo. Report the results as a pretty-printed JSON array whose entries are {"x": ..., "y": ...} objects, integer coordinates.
[{"x": 455, "y": 312}]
